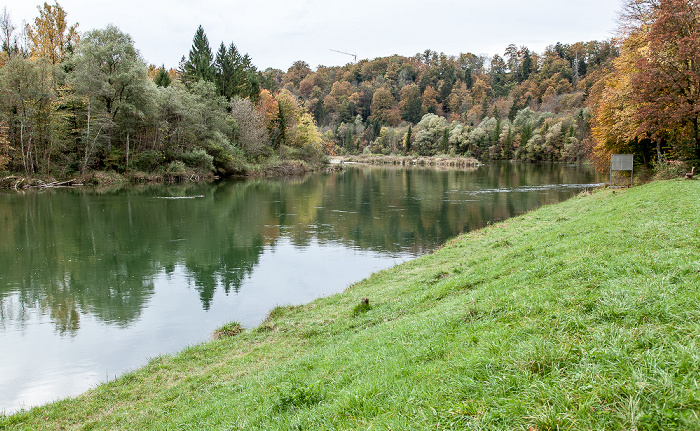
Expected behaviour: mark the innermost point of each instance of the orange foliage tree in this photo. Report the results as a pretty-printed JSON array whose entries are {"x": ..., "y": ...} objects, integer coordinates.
[
  {"x": 666, "y": 85},
  {"x": 651, "y": 100}
]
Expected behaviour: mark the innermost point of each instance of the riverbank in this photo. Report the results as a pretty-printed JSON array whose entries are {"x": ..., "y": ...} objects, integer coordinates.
[
  {"x": 580, "y": 315},
  {"x": 111, "y": 179},
  {"x": 434, "y": 161}
]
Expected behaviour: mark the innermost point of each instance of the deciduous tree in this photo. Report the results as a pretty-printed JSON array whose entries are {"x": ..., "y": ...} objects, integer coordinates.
[
  {"x": 112, "y": 76},
  {"x": 666, "y": 85},
  {"x": 50, "y": 36},
  {"x": 25, "y": 102},
  {"x": 382, "y": 103}
]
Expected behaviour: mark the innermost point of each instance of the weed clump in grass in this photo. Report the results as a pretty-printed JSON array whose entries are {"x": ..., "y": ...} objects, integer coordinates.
[
  {"x": 228, "y": 330},
  {"x": 362, "y": 307},
  {"x": 297, "y": 395}
]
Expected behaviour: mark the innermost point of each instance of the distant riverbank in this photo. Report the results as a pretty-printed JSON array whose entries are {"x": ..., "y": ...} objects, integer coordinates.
[
  {"x": 435, "y": 161},
  {"x": 579, "y": 315},
  {"x": 280, "y": 168}
]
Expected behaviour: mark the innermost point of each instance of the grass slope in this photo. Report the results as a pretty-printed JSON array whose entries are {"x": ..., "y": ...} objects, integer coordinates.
[{"x": 581, "y": 315}]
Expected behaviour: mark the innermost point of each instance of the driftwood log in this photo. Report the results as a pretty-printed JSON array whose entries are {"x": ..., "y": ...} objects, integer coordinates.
[{"x": 17, "y": 183}]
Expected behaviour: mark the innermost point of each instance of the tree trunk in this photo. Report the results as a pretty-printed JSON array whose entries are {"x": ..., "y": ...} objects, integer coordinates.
[
  {"x": 696, "y": 129},
  {"x": 127, "y": 151},
  {"x": 87, "y": 140}
]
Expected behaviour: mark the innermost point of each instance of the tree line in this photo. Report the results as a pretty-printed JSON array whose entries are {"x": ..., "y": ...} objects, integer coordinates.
[
  {"x": 71, "y": 103},
  {"x": 434, "y": 103}
]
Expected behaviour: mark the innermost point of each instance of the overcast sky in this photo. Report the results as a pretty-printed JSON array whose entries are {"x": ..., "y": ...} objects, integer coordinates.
[{"x": 276, "y": 33}]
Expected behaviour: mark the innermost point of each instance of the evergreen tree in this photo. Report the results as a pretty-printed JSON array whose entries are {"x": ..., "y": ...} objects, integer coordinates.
[
  {"x": 445, "y": 143},
  {"x": 199, "y": 64},
  {"x": 514, "y": 108},
  {"x": 235, "y": 74},
  {"x": 526, "y": 65},
  {"x": 162, "y": 78}
]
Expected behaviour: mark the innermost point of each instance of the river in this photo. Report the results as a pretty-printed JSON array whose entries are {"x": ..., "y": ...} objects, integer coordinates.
[{"x": 93, "y": 283}]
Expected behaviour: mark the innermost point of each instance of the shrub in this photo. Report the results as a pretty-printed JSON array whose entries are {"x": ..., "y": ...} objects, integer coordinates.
[
  {"x": 227, "y": 159},
  {"x": 669, "y": 169},
  {"x": 198, "y": 159},
  {"x": 147, "y": 161},
  {"x": 176, "y": 168}
]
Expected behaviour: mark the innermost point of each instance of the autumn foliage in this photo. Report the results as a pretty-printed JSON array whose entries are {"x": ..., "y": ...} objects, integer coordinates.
[
  {"x": 65, "y": 107},
  {"x": 651, "y": 100}
]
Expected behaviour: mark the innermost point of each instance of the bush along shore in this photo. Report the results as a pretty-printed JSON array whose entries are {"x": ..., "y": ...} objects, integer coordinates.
[
  {"x": 271, "y": 169},
  {"x": 577, "y": 316}
]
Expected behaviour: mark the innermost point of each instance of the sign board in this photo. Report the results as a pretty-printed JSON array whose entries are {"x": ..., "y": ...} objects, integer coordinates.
[{"x": 622, "y": 162}]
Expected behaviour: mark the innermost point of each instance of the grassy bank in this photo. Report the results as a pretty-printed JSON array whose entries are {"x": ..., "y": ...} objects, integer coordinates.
[{"x": 581, "y": 315}]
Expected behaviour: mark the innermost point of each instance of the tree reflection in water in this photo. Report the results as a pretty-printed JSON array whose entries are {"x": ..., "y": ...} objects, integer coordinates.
[{"x": 67, "y": 253}]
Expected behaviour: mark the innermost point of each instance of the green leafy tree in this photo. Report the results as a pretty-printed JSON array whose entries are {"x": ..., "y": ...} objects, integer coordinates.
[
  {"x": 113, "y": 78},
  {"x": 410, "y": 104},
  {"x": 429, "y": 134}
]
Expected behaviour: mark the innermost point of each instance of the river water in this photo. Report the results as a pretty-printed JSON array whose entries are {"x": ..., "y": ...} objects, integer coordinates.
[{"x": 93, "y": 283}]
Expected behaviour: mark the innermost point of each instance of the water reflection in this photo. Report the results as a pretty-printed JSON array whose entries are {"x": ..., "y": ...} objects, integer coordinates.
[{"x": 123, "y": 276}]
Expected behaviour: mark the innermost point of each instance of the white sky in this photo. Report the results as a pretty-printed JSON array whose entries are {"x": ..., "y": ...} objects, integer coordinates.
[{"x": 275, "y": 33}]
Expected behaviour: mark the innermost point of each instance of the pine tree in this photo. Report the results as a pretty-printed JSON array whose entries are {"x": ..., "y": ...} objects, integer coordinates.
[
  {"x": 527, "y": 64},
  {"x": 235, "y": 74},
  {"x": 199, "y": 64},
  {"x": 162, "y": 78}
]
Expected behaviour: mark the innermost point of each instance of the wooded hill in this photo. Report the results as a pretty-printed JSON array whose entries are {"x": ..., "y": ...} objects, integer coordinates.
[{"x": 523, "y": 105}]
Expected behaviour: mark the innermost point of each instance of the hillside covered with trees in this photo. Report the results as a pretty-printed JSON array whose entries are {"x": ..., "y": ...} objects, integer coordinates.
[{"x": 72, "y": 103}]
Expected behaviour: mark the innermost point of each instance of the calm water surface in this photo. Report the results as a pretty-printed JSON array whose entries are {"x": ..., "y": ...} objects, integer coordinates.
[{"x": 93, "y": 284}]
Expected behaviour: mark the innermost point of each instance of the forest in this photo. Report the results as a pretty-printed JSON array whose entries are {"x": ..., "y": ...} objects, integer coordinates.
[{"x": 73, "y": 103}]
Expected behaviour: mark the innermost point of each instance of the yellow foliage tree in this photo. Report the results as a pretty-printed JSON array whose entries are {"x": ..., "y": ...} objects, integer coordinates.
[
  {"x": 305, "y": 132},
  {"x": 50, "y": 35},
  {"x": 613, "y": 125}
]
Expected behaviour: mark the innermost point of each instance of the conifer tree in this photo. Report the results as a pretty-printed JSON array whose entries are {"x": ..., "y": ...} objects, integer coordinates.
[
  {"x": 199, "y": 63},
  {"x": 162, "y": 78}
]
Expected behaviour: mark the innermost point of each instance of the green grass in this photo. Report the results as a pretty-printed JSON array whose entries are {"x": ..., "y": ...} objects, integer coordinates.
[{"x": 581, "y": 315}]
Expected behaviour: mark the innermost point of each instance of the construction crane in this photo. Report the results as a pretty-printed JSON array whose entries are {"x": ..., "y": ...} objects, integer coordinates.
[{"x": 354, "y": 56}]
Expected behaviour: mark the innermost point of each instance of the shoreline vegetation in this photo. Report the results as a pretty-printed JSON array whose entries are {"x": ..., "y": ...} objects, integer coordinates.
[
  {"x": 286, "y": 168},
  {"x": 279, "y": 169},
  {"x": 579, "y": 315},
  {"x": 433, "y": 161}
]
